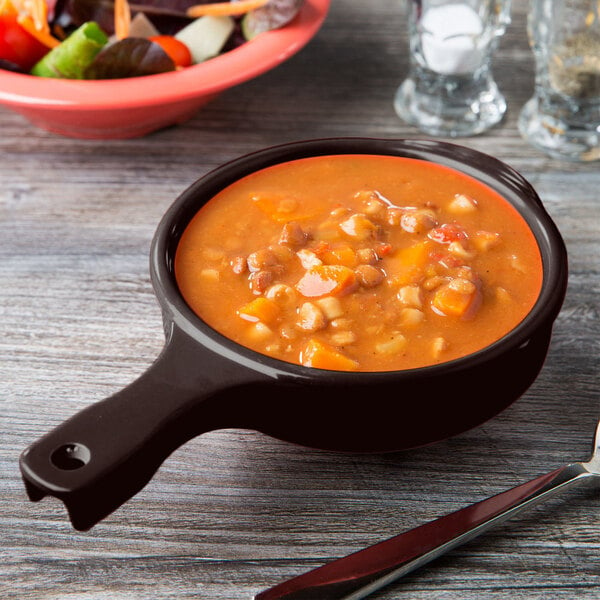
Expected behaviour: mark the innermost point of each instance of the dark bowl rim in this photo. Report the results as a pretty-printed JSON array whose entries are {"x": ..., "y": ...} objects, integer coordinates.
[{"x": 462, "y": 158}]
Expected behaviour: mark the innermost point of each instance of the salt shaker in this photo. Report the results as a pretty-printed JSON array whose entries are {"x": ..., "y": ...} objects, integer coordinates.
[
  {"x": 562, "y": 118},
  {"x": 450, "y": 90}
]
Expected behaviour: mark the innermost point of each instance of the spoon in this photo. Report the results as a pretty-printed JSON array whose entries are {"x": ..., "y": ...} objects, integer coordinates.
[{"x": 359, "y": 574}]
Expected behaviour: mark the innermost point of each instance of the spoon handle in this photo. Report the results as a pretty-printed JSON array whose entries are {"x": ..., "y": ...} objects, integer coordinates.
[{"x": 359, "y": 574}]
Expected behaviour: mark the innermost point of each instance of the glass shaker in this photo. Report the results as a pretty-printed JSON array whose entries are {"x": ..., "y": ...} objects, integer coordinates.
[
  {"x": 562, "y": 118},
  {"x": 450, "y": 90}
]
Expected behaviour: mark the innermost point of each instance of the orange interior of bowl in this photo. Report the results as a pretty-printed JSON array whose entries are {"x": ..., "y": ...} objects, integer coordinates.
[
  {"x": 374, "y": 263},
  {"x": 211, "y": 77}
]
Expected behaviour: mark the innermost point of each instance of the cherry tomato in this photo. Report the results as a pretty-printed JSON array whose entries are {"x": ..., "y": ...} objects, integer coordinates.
[
  {"x": 18, "y": 46},
  {"x": 177, "y": 51}
]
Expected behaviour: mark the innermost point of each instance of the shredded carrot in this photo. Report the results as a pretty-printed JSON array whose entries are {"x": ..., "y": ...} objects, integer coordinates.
[
  {"x": 42, "y": 36},
  {"x": 122, "y": 19},
  {"x": 221, "y": 9},
  {"x": 32, "y": 16}
]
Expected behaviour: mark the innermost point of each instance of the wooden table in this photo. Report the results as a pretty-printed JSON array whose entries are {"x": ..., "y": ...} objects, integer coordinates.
[{"x": 233, "y": 512}]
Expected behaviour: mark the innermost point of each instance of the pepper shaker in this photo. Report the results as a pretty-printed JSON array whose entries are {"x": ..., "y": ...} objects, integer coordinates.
[{"x": 562, "y": 118}]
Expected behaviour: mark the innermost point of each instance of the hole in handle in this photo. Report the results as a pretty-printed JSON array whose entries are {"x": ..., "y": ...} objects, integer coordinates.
[{"x": 69, "y": 457}]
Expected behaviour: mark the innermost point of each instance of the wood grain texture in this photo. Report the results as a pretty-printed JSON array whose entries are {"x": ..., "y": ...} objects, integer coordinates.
[{"x": 233, "y": 511}]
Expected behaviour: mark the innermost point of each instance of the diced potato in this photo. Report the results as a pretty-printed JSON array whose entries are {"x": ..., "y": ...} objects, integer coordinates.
[
  {"x": 457, "y": 249},
  {"x": 503, "y": 295},
  {"x": 311, "y": 317},
  {"x": 260, "y": 309},
  {"x": 410, "y": 295},
  {"x": 394, "y": 216},
  {"x": 485, "y": 240},
  {"x": 517, "y": 264},
  {"x": 325, "y": 280},
  {"x": 327, "y": 231},
  {"x": 431, "y": 283},
  {"x": 238, "y": 264},
  {"x": 462, "y": 204},
  {"x": 341, "y": 323},
  {"x": 212, "y": 254},
  {"x": 465, "y": 272},
  {"x": 409, "y": 317},
  {"x": 308, "y": 258},
  {"x": 438, "y": 346},
  {"x": 394, "y": 345},
  {"x": 343, "y": 338},
  {"x": 289, "y": 332},
  {"x": 373, "y": 203},
  {"x": 462, "y": 285},
  {"x": 274, "y": 347},
  {"x": 210, "y": 275},
  {"x": 260, "y": 332},
  {"x": 373, "y": 330},
  {"x": 331, "y": 307},
  {"x": 359, "y": 227},
  {"x": 323, "y": 356}
]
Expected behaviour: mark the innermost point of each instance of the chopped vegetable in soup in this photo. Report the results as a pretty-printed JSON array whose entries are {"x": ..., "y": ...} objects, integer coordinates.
[{"x": 359, "y": 262}]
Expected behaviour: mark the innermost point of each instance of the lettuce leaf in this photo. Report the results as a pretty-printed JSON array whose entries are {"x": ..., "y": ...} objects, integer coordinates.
[{"x": 131, "y": 57}]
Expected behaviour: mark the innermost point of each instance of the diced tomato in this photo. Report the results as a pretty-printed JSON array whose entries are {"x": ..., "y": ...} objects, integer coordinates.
[
  {"x": 447, "y": 260},
  {"x": 383, "y": 249},
  {"x": 16, "y": 45},
  {"x": 178, "y": 52},
  {"x": 447, "y": 233}
]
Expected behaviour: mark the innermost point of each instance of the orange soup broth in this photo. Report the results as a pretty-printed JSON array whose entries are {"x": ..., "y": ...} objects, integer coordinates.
[{"x": 249, "y": 215}]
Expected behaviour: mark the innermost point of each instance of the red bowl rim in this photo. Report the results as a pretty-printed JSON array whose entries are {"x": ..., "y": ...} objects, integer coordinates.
[{"x": 211, "y": 77}]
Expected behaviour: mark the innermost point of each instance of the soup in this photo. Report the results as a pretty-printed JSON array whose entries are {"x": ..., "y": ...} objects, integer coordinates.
[{"x": 359, "y": 263}]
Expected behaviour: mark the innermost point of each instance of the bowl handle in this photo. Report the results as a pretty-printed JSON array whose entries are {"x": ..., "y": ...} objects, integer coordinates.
[{"x": 104, "y": 454}]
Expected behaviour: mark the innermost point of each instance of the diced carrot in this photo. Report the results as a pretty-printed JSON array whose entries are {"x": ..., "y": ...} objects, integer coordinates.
[
  {"x": 322, "y": 356},
  {"x": 225, "y": 8},
  {"x": 407, "y": 265},
  {"x": 327, "y": 280},
  {"x": 281, "y": 209},
  {"x": 343, "y": 255},
  {"x": 455, "y": 300},
  {"x": 260, "y": 309}
]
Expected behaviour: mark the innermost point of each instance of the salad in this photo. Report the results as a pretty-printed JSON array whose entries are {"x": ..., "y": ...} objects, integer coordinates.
[{"x": 113, "y": 39}]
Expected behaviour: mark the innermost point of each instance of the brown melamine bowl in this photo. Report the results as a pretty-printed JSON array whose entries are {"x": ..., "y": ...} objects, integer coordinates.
[{"x": 203, "y": 381}]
